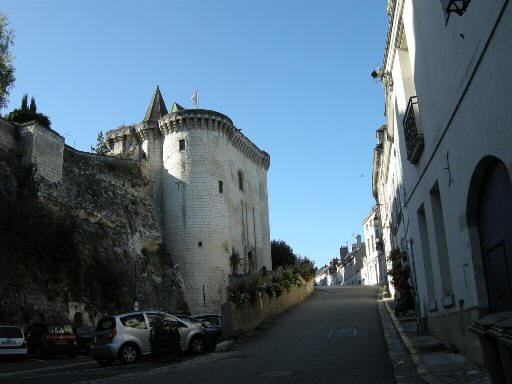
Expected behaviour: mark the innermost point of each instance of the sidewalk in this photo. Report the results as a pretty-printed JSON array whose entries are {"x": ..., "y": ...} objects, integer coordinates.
[{"x": 433, "y": 363}]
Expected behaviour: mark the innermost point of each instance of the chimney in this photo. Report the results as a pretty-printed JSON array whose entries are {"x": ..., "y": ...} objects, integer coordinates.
[
  {"x": 358, "y": 241},
  {"x": 343, "y": 252}
]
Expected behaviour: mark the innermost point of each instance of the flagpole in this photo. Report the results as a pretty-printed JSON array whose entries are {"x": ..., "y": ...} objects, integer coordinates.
[{"x": 195, "y": 98}]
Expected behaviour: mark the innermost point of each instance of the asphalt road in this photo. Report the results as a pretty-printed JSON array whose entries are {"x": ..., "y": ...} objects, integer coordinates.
[{"x": 334, "y": 336}]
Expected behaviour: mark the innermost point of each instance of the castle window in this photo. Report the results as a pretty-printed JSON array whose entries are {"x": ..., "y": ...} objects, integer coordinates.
[
  {"x": 240, "y": 181},
  {"x": 221, "y": 186},
  {"x": 182, "y": 144}
]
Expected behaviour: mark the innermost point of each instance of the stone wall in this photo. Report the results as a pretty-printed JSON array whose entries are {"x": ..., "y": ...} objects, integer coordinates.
[
  {"x": 7, "y": 141},
  {"x": 44, "y": 148},
  {"x": 242, "y": 318},
  {"x": 109, "y": 203},
  {"x": 203, "y": 222}
]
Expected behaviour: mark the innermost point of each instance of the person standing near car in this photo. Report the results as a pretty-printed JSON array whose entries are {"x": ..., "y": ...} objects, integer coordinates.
[{"x": 164, "y": 338}]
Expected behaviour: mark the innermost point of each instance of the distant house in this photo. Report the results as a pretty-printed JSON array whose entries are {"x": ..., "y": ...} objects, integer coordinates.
[{"x": 352, "y": 264}]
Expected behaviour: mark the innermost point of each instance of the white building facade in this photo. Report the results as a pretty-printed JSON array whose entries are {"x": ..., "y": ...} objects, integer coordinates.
[
  {"x": 374, "y": 265},
  {"x": 351, "y": 270},
  {"x": 449, "y": 117}
]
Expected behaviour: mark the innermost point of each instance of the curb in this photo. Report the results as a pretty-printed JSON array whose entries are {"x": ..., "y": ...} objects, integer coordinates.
[
  {"x": 414, "y": 353},
  {"x": 224, "y": 346},
  {"x": 404, "y": 368}
]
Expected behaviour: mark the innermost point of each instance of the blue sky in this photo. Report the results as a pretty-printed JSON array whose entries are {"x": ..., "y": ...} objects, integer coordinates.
[{"x": 293, "y": 75}]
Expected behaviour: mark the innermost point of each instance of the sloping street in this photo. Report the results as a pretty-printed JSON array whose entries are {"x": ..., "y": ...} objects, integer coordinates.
[{"x": 333, "y": 336}]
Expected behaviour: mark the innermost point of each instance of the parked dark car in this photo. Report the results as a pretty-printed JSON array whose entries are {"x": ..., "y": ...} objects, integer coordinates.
[
  {"x": 212, "y": 322},
  {"x": 45, "y": 339},
  {"x": 84, "y": 337}
]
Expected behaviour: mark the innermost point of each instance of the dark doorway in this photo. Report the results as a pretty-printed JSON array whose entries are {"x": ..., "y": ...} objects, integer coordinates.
[{"x": 495, "y": 230}]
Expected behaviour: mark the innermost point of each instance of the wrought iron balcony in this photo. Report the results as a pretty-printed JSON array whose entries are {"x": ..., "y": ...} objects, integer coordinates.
[{"x": 413, "y": 136}]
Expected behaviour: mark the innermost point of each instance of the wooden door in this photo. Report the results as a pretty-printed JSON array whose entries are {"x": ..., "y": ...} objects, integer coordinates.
[{"x": 495, "y": 229}]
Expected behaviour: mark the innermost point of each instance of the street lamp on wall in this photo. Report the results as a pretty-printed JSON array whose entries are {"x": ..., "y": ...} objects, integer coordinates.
[{"x": 456, "y": 6}]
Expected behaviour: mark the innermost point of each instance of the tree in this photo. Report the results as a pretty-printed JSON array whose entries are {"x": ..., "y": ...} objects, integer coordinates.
[
  {"x": 282, "y": 254},
  {"x": 6, "y": 67},
  {"x": 33, "y": 107},
  {"x": 25, "y": 113},
  {"x": 101, "y": 147},
  {"x": 24, "y": 103}
]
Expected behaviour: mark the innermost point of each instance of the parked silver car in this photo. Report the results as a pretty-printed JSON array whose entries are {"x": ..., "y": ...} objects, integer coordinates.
[
  {"x": 12, "y": 342},
  {"x": 126, "y": 337}
]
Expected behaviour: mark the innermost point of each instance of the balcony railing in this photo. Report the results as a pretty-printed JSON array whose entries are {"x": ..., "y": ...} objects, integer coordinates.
[{"x": 413, "y": 136}]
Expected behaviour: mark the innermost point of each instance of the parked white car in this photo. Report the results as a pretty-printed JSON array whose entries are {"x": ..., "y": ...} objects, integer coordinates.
[
  {"x": 126, "y": 337},
  {"x": 12, "y": 342}
]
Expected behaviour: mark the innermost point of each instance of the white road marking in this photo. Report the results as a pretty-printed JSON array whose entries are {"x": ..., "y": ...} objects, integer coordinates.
[{"x": 330, "y": 333}]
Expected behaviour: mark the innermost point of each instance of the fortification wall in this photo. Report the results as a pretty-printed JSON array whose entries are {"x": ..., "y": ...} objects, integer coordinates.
[
  {"x": 112, "y": 201},
  {"x": 44, "y": 148},
  {"x": 7, "y": 140},
  {"x": 206, "y": 214},
  {"x": 113, "y": 225},
  {"x": 247, "y": 316}
]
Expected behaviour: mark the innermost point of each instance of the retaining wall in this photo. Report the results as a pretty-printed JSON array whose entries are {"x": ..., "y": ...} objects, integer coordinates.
[{"x": 242, "y": 318}]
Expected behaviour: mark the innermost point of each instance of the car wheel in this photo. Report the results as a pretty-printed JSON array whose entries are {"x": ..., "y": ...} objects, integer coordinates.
[
  {"x": 197, "y": 345},
  {"x": 128, "y": 353}
]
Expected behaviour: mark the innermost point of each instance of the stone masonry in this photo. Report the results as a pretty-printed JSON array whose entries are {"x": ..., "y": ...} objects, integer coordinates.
[{"x": 210, "y": 186}]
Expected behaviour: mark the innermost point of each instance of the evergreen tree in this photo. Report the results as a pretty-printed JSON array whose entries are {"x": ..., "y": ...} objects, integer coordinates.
[
  {"x": 25, "y": 114},
  {"x": 33, "y": 107},
  {"x": 24, "y": 103},
  {"x": 101, "y": 147}
]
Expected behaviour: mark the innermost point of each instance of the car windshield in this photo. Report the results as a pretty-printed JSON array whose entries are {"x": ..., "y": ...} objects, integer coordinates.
[
  {"x": 60, "y": 330},
  {"x": 10, "y": 333}
]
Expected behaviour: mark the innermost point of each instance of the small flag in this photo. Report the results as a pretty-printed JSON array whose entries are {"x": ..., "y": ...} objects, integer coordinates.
[{"x": 195, "y": 98}]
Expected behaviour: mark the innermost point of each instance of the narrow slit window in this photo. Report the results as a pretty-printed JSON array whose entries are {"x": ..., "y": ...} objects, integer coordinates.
[
  {"x": 240, "y": 180},
  {"x": 221, "y": 186},
  {"x": 182, "y": 144}
]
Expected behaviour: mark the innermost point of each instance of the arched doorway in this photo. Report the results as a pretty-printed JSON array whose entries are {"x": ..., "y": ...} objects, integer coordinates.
[{"x": 494, "y": 214}]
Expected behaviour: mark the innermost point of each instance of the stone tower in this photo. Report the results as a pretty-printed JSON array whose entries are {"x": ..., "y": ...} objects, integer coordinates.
[{"x": 210, "y": 184}]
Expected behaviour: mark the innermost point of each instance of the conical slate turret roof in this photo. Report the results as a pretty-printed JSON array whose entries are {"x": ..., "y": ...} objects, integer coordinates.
[{"x": 157, "y": 107}]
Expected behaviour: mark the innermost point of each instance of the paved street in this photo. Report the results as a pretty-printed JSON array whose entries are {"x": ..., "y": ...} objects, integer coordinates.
[{"x": 333, "y": 336}]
